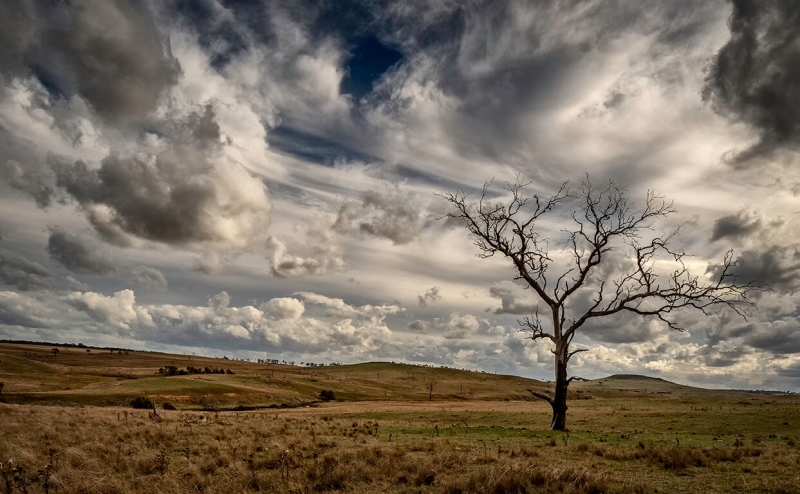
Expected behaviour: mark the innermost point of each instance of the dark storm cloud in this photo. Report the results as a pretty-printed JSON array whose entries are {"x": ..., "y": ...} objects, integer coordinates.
[
  {"x": 510, "y": 301},
  {"x": 22, "y": 170},
  {"x": 35, "y": 181},
  {"x": 380, "y": 216},
  {"x": 715, "y": 355},
  {"x": 28, "y": 311},
  {"x": 148, "y": 278},
  {"x": 188, "y": 194},
  {"x": 622, "y": 328},
  {"x": 78, "y": 255},
  {"x": 777, "y": 267},
  {"x": 24, "y": 274},
  {"x": 735, "y": 226},
  {"x": 755, "y": 77},
  {"x": 778, "y": 337},
  {"x": 110, "y": 53},
  {"x": 791, "y": 371}
]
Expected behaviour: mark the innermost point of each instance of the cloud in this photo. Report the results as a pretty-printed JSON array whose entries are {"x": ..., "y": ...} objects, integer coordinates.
[
  {"x": 336, "y": 307},
  {"x": 791, "y": 371},
  {"x": 23, "y": 274},
  {"x": 28, "y": 311},
  {"x": 148, "y": 278},
  {"x": 110, "y": 54},
  {"x": 418, "y": 326},
  {"x": 513, "y": 299},
  {"x": 755, "y": 77},
  {"x": 211, "y": 262},
  {"x": 781, "y": 337},
  {"x": 777, "y": 267},
  {"x": 279, "y": 324},
  {"x": 77, "y": 255},
  {"x": 118, "y": 311},
  {"x": 623, "y": 328},
  {"x": 283, "y": 308},
  {"x": 735, "y": 226},
  {"x": 326, "y": 256},
  {"x": 726, "y": 343},
  {"x": 36, "y": 181},
  {"x": 431, "y": 295},
  {"x": 75, "y": 285},
  {"x": 380, "y": 216},
  {"x": 187, "y": 194},
  {"x": 458, "y": 327}
]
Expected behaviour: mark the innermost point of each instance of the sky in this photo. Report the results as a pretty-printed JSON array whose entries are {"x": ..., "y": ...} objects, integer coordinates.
[{"x": 261, "y": 179}]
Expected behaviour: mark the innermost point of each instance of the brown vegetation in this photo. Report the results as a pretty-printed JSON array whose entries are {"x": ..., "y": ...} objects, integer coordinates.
[{"x": 634, "y": 435}]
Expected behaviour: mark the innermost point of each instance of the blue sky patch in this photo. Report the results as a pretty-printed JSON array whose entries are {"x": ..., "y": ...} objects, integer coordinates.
[
  {"x": 370, "y": 59},
  {"x": 310, "y": 147}
]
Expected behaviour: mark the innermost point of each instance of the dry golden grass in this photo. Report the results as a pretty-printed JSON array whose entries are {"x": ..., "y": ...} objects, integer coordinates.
[
  {"x": 630, "y": 436},
  {"x": 98, "y": 450}
]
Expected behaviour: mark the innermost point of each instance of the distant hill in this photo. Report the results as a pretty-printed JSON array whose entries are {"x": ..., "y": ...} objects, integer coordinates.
[
  {"x": 639, "y": 377},
  {"x": 79, "y": 375}
]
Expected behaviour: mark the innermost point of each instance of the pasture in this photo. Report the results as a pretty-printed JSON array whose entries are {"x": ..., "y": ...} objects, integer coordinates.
[{"x": 66, "y": 425}]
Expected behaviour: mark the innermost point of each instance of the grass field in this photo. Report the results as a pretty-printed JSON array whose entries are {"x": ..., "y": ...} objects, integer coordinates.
[{"x": 66, "y": 425}]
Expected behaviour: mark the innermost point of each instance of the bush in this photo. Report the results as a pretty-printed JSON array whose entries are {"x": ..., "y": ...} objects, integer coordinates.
[
  {"x": 327, "y": 395},
  {"x": 680, "y": 457},
  {"x": 142, "y": 402},
  {"x": 168, "y": 406}
]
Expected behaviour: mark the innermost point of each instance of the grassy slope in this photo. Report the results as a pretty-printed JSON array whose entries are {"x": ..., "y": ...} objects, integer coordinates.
[{"x": 32, "y": 374}]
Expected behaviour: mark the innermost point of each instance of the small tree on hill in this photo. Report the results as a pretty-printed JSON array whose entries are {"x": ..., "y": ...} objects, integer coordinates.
[
  {"x": 431, "y": 383},
  {"x": 602, "y": 228},
  {"x": 55, "y": 352}
]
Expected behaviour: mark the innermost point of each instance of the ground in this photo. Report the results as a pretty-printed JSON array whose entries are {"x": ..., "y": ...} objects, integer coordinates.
[{"x": 66, "y": 425}]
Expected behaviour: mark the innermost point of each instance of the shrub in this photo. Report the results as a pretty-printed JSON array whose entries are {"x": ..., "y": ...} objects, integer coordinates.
[
  {"x": 168, "y": 406},
  {"x": 142, "y": 402},
  {"x": 679, "y": 457},
  {"x": 327, "y": 395}
]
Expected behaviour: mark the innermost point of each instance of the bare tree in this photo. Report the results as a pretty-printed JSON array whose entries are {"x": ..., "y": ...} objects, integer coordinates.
[
  {"x": 55, "y": 352},
  {"x": 431, "y": 383},
  {"x": 605, "y": 233}
]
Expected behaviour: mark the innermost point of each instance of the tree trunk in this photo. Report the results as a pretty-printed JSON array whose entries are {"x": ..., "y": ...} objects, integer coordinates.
[{"x": 559, "y": 401}]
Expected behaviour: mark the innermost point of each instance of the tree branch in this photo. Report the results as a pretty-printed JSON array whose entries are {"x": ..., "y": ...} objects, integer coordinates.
[
  {"x": 534, "y": 325},
  {"x": 541, "y": 396}
]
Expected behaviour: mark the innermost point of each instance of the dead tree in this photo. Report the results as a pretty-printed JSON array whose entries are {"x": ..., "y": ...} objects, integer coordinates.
[
  {"x": 601, "y": 227},
  {"x": 431, "y": 383}
]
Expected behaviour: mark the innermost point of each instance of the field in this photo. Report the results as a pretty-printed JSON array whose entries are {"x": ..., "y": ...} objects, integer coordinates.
[{"x": 67, "y": 425}]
